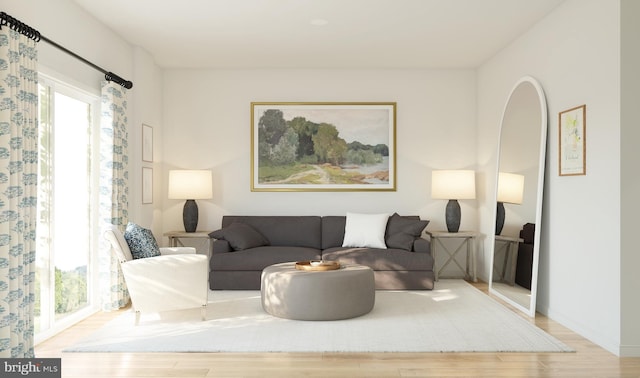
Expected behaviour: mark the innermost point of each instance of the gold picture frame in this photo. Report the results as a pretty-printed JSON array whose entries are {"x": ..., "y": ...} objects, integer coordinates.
[
  {"x": 323, "y": 146},
  {"x": 572, "y": 127}
]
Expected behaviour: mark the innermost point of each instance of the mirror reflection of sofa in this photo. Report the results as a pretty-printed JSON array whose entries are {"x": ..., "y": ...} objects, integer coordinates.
[
  {"x": 245, "y": 245},
  {"x": 524, "y": 265}
]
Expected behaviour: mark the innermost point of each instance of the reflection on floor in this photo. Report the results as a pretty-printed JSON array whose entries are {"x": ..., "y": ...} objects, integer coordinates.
[{"x": 517, "y": 293}]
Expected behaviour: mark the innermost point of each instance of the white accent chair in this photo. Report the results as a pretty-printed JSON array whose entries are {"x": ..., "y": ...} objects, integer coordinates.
[{"x": 175, "y": 280}]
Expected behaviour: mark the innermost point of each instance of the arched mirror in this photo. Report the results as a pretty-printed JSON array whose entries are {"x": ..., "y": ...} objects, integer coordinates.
[{"x": 519, "y": 183}]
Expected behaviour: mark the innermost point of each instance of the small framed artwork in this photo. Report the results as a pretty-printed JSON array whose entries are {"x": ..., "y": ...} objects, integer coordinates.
[
  {"x": 323, "y": 146},
  {"x": 147, "y": 185},
  {"x": 147, "y": 143},
  {"x": 572, "y": 139}
]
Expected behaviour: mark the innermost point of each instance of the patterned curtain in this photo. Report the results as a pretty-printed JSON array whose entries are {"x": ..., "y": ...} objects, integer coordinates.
[
  {"x": 18, "y": 195},
  {"x": 114, "y": 190}
]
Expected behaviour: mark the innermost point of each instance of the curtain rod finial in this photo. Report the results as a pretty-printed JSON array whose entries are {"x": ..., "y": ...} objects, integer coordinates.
[{"x": 110, "y": 76}]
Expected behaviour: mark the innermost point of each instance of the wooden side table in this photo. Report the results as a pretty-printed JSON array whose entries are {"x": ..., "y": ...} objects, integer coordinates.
[
  {"x": 176, "y": 236},
  {"x": 508, "y": 245},
  {"x": 468, "y": 240}
]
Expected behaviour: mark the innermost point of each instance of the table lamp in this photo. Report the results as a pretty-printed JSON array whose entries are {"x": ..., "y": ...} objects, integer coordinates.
[
  {"x": 190, "y": 185},
  {"x": 453, "y": 185},
  {"x": 510, "y": 190}
]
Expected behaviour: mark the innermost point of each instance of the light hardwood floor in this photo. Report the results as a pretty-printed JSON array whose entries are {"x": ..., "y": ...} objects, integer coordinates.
[{"x": 589, "y": 360}]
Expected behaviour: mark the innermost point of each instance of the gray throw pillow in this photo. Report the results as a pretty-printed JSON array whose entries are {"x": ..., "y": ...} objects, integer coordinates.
[
  {"x": 141, "y": 241},
  {"x": 240, "y": 236},
  {"x": 403, "y": 231}
]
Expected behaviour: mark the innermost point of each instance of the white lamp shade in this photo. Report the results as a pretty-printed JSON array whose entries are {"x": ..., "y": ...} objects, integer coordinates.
[
  {"x": 190, "y": 184},
  {"x": 510, "y": 188},
  {"x": 453, "y": 184}
]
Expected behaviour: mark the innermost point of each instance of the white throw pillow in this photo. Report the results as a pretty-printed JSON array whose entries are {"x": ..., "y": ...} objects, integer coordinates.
[{"x": 365, "y": 230}]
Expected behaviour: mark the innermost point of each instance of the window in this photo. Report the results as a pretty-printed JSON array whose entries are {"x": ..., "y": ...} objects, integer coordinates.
[{"x": 66, "y": 253}]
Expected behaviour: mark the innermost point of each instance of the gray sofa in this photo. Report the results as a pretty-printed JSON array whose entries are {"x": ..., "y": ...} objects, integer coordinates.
[{"x": 245, "y": 245}]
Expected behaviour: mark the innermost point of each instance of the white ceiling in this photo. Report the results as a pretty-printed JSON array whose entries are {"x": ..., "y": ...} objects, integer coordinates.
[{"x": 358, "y": 33}]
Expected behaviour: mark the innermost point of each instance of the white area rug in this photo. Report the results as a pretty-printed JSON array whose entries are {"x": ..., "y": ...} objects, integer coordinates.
[{"x": 454, "y": 317}]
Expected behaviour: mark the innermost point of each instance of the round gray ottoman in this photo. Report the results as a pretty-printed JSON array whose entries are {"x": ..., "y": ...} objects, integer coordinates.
[{"x": 317, "y": 295}]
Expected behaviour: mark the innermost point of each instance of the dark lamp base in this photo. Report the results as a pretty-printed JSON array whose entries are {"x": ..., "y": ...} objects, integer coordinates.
[
  {"x": 499, "y": 218},
  {"x": 452, "y": 215},
  {"x": 190, "y": 216}
]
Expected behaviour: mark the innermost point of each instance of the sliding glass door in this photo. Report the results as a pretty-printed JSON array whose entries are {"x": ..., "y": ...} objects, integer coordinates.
[{"x": 66, "y": 201}]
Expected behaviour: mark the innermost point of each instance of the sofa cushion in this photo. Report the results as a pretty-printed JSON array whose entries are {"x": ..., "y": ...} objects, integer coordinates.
[
  {"x": 365, "y": 230},
  {"x": 333, "y": 231},
  {"x": 528, "y": 233},
  {"x": 141, "y": 241},
  {"x": 240, "y": 236},
  {"x": 380, "y": 259},
  {"x": 256, "y": 259},
  {"x": 296, "y": 231},
  {"x": 403, "y": 231}
]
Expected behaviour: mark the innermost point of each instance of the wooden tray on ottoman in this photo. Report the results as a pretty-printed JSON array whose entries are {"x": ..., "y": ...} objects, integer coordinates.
[{"x": 317, "y": 265}]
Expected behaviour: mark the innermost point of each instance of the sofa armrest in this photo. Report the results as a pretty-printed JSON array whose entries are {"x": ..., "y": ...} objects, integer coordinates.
[
  {"x": 421, "y": 245},
  {"x": 221, "y": 246},
  {"x": 164, "y": 251}
]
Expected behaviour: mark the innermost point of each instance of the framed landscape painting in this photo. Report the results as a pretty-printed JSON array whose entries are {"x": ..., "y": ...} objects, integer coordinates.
[{"x": 318, "y": 146}]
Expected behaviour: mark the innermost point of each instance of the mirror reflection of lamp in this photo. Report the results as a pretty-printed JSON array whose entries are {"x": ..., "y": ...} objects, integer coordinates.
[
  {"x": 453, "y": 185},
  {"x": 510, "y": 190},
  {"x": 190, "y": 185}
]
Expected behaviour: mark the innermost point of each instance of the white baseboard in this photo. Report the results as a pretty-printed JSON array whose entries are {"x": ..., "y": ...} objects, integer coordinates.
[
  {"x": 592, "y": 335},
  {"x": 629, "y": 351}
]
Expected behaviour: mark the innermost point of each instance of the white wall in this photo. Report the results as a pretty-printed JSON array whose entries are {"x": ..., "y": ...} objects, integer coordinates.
[
  {"x": 575, "y": 54},
  {"x": 630, "y": 180},
  {"x": 207, "y": 119},
  {"x": 147, "y": 97}
]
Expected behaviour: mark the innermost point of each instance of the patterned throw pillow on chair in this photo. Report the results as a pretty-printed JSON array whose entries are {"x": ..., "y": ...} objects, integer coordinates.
[{"x": 141, "y": 241}]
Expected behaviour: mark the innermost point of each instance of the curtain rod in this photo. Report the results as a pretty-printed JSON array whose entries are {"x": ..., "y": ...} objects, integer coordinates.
[{"x": 32, "y": 33}]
